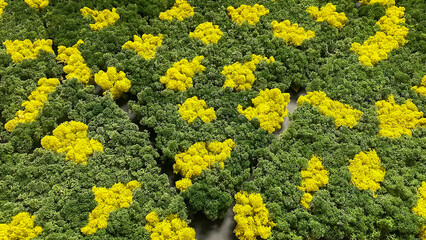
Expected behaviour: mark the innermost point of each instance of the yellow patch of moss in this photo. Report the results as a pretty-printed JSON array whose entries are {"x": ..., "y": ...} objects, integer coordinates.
[
  {"x": 20, "y": 50},
  {"x": 314, "y": 177},
  {"x": 366, "y": 171},
  {"x": 291, "y": 33},
  {"x": 113, "y": 81},
  {"x": 247, "y": 13},
  {"x": 270, "y": 108},
  {"x": 343, "y": 114},
  {"x": 3, "y": 4},
  {"x": 240, "y": 76},
  {"x": 171, "y": 228},
  {"x": 199, "y": 157},
  {"x": 37, "y": 4},
  {"x": 397, "y": 120},
  {"x": 422, "y": 88},
  {"x": 102, "y": 18},
  {"x": 71, "y": 138},
  {"x": 21, "y": 227},
  {"x": 180, "y": 10},
  {"x": 75, "y": 65},
  {"x": 144, "y": 46},
  {"x": 328, "y": 13},
  {"x": 391, "y": 36},
  {"x": 179, "y": 76},
  {"x": 34, "y": 104},
  {"x": 109, "y": 200},
  {"x": 207, "y": 33},
  {"x": 194, "y": 108},
  {"x": 252, "y": 217}
]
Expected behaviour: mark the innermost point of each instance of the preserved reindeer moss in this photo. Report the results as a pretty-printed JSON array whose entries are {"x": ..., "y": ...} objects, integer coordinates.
[{"x": 141, "y": 144}]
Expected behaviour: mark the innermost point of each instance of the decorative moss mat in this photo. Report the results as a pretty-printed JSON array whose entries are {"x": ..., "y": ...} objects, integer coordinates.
[{"x": 130, "y": 119}]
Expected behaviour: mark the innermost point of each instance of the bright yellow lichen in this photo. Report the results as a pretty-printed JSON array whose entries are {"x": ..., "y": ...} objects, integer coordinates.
[
  {"x": 420, "y": 208},
  {"x": 102, "y": 18},
  {"x": 314, "y": 177},
  {"x": 247, "y": 13},
  {"x": 382, "y": 2},
  {"x": 34, "y": 104},
  {"x": 328, "y": 13},
  {"x": 20, "y": 228},
  {"x": 343, "y": 114},
  {"x": 422, "y": 88},
  {"x": 270, "y": 108},
  {"x": 20, "y": 50},
  {"x": 199, "y": 157},
  {"x": 179, "y": 76},
  {"x": 171, "y": 228},
  {"x": 109, "y": 200},
  {"x": 252, "y": 217},
  {"x": 75, "y": 65},
  {"x": 396, "y": 120},
  {"x": 240, "y": 76},
  {"x": 37, "y": 4},
  {"x": 71, "y": 138},
  {"x": 207, "y": 33},
  {"x": 144, "y": 46},
  {"x": 180, "y": 10},
  {"x": 291, "y": 33},
  {"x": 390, "y": 37},
  {"x": 3, "y": 4},
  {"x": 193, "y": 108},
  {"x": 115, "y": 82},
  {"x": 366, "y": 171}
]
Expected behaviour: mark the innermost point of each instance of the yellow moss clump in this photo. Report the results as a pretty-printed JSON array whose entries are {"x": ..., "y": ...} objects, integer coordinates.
[
  {"x": 247, "y": 13},
  {"x": 193, "y": 108},
  {"x": 314, "y": 177},
  {"x": 199, "y": 157},
  {"x": 382, "y": 2},
  {"x": 270, "y": 107},
  {"x": 21, "y": 227},
  {"x": 396, "y": 120},
  {"x": 102, "y": 18},
  {"x": 328, "y": 13},
  {"x": 3, "y": 4},
  {"x": 291, "y": 33},
  {"x": 144, "y": 46},
  {"x": 115, "y": 82},
  {"x": 20, "y": 50},
  {"x": 420, "y": 208},
  {"x": 71, "y": 138},
  {"x": 252, "y": 217},
  {"x": 34, "y": 104},
  {"x": 422, "y": 88},
  {"x": 75, "y": 65},
  {"x": 366, "y": 171},
  {"x": 343, "y": 114},
  {"x": 171, "y": 228},
  {"x": 109, "y": 200},
  {"x": 240, "y": 76},
  {"x": 180, "y": 11},
  {"x": 207, "y": 33},
  {"x": 179, "y": 76},
  {"x": 391, "y": 36},
  {"x": 37, "y": 4}
]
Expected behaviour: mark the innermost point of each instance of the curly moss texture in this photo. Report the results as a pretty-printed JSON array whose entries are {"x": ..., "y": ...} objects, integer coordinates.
[{"x": 317, "y": 58}]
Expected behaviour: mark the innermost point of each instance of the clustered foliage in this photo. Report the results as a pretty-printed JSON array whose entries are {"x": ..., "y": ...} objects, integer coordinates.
[{"x": 283, "y": 47}]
